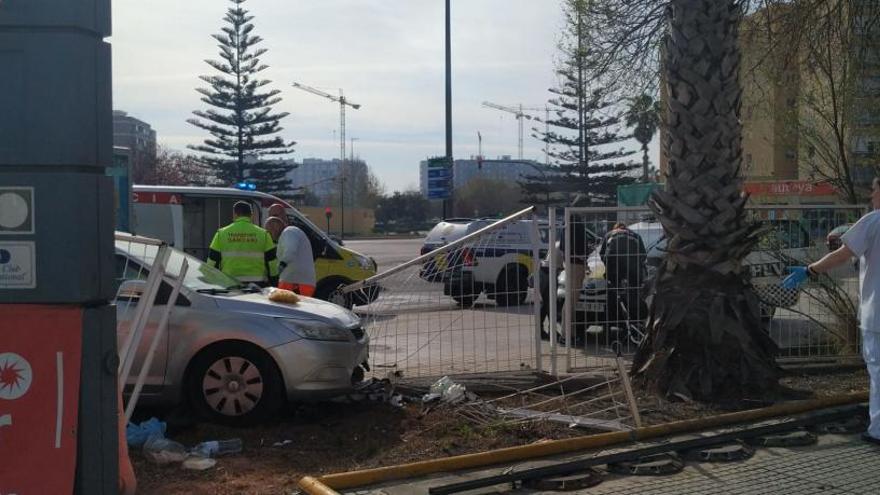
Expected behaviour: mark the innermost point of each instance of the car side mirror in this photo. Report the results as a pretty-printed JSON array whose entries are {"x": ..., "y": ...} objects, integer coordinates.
[{"x": 131, "y": 289}]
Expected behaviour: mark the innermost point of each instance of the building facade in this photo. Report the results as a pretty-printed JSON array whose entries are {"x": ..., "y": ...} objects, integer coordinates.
[
  {"x": 321, "y": 178},
  {"x": 809, "y": 115},
  {"x": 502, "y": 169},
  {"x": 135, "y": 140}
]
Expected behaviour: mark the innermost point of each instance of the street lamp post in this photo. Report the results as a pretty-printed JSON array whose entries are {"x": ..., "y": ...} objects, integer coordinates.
[{"x": 448, "y": 102}]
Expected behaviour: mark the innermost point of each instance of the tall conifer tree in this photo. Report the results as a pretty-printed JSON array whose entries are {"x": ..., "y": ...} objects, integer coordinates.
[
  {"x": 585, "y": 126},
  {"x": 239, "y": 118}
]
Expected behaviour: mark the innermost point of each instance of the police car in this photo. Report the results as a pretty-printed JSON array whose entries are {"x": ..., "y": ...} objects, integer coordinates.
[{"x": 498, "y": 265}]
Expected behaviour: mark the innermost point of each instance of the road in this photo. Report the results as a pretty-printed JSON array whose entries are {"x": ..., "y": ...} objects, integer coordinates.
[{"x": 387, "y": 252}]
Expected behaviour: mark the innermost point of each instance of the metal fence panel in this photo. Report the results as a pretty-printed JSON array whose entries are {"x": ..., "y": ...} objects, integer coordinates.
[
  {"x": 612, "y": 271},
  {"x": 466, "y": 307}
]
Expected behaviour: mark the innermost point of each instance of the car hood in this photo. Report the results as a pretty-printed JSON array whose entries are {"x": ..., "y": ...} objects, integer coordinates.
[{"x": 307, "y": 308}]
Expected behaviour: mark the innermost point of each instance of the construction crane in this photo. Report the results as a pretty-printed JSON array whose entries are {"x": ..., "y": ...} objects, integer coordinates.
[
  {"x": 342, "y": 104},
  {"x": 520, "y": 115}
]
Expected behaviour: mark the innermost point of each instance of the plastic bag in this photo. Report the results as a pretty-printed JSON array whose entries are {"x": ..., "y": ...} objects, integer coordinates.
[
  {"x": 164, "y": 451},
  {"x": 137, "y": 434}
]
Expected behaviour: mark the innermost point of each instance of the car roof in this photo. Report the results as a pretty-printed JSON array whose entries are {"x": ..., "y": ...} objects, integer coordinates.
[{"x": 208, "y": 191}]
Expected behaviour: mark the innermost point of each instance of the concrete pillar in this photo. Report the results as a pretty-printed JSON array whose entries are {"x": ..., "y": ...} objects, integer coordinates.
[{"x": 56, "y": 242}]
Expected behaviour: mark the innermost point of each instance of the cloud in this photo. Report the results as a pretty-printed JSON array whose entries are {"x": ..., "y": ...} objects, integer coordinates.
[{"x": 387, "y": 55}]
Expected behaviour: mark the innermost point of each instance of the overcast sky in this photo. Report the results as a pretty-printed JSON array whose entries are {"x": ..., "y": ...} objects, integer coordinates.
[{"x": 387, "y": 55}]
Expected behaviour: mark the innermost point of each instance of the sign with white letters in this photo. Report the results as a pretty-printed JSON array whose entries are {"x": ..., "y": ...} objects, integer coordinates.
[{"x": 18, "y": 265}]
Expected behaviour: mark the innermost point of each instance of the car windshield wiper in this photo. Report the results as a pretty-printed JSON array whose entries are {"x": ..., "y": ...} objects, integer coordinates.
[{"x": 212, "y": 291}]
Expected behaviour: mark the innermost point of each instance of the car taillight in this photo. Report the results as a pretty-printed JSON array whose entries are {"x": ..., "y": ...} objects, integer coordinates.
[{"x": 467, "y": 257}]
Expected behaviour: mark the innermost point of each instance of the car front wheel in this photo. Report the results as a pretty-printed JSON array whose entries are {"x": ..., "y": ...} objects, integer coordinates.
[{"x": 236, "y": 384}]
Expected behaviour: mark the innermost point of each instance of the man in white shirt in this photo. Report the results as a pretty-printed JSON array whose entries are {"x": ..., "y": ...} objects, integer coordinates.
[
  {"x": 296, "y": 262},
  {"x": 863, "y": 241}
]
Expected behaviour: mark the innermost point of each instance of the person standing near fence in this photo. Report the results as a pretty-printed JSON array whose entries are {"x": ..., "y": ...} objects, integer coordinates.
[
  {"x": 244, "y": 251},
  {"x": 862, "y": 240},
  {"x": 295, "y": 258},
  {"x": 623, "y": 254}
]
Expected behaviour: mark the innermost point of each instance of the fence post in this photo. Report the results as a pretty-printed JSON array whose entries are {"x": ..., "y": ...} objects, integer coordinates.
[
  {"x": 536, "y": 282},
  {"x": 551, "y": 292},
  {"x": 566, "y": 308}
]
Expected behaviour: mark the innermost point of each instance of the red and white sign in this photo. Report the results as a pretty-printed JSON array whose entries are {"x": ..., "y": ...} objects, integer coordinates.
[
  {"x": 159, "y": 198},
  {"x": 40, "y": 352},
  {"x": 789, "y": 188}
]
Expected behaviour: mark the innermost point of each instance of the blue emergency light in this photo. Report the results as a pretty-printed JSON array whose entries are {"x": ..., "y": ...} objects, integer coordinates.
[{"x": 246, "y": 186}]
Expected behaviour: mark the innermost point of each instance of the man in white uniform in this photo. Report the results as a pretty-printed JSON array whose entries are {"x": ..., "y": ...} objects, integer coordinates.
[
  {"x": 861, "y": 240},
  {"x": 295, "y": 259}
]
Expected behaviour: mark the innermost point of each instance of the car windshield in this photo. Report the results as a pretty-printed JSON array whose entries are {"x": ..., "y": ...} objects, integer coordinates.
[{"x": 199, "y": 276}]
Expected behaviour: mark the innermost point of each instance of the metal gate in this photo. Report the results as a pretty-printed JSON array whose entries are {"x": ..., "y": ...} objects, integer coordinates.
[{"x": 602, "y": 302}]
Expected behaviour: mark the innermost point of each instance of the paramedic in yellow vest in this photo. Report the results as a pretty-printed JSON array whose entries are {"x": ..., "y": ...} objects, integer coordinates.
[{"x": 243, "y": 250}]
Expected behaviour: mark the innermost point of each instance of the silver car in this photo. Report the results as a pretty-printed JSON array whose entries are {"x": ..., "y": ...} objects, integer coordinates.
[{"x": 230, "y": 353}]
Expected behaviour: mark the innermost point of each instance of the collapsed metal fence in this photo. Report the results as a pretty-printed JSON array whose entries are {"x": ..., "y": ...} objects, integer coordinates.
[{"x": 608, "y": 256}]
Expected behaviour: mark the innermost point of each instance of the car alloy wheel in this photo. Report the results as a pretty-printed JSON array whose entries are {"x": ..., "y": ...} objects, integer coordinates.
[
  {"x": 235, "y": 383},
  {"x": 232, "y": 386}
]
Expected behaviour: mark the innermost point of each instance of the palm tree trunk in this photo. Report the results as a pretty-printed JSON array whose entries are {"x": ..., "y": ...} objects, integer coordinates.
[
  {"x": 705, "y": 337},
  {"x": 645, "y": 162}
]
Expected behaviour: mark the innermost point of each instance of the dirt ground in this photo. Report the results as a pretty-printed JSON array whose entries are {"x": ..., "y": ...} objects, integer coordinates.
[{"x": 334, "y": 437}]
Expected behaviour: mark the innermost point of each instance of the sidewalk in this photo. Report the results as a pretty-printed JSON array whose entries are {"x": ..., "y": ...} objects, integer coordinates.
[{"x": 837, "y": 464}]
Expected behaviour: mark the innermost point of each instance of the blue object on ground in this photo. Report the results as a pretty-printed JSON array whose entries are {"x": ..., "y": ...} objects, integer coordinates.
[{"x": 137, "y": 434}]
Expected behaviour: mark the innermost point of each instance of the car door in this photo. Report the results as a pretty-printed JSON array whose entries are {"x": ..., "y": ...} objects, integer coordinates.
[{"x": 128, "y": 269}]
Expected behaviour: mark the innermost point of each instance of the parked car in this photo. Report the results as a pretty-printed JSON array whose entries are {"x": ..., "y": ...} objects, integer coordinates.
[
  {"x": 438, "y": 268},
  {"x": 188, "y": 217},
  {"x": 499, "y": 264},
  {"x": 229, "y": 352}
]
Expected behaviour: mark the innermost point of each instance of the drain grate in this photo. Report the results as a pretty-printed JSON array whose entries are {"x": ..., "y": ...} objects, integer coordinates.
[
  {"x": 654, "y": 465},
  {"x": 732, "y": 452},
  {"x": 856, "y": 424},
  {"x": 799, "y": 438},
  {"x": 575, "y": 481}
]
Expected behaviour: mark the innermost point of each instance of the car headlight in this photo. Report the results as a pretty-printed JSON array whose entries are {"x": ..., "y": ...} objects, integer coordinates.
[
  {"x": 366, "y": 263},
  {"x": 316, "y": 331}
]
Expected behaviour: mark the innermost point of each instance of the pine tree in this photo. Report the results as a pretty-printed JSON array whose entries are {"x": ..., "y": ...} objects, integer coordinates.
[
  {"x": 242, "y": 125},
  {"x": 586, "y": 125}
]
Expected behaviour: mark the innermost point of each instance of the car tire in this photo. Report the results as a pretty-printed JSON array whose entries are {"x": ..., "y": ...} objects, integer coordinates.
[
  {"x": 465, "y": 301},
  {"x": 512, "y": 286},
  {"x": 235, "y": 384},
  {"x": 328, "y": 290}
]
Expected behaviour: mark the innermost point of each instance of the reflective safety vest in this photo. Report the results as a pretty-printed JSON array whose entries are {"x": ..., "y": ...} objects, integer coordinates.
[{"x": 245, "y": 252}]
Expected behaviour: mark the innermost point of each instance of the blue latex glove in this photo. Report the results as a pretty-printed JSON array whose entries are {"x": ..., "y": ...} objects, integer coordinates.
[{"x": 797, "y": 276}]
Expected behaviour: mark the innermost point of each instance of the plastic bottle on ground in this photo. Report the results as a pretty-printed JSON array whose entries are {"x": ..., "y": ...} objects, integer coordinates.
[{"x": 215, "y": 448}]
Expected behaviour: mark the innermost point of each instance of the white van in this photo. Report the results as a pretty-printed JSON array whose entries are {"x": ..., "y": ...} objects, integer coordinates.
[{"x": 188, "y": 217}]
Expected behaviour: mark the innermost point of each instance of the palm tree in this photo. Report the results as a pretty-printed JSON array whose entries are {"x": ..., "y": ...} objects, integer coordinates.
[
  {"x": 643, "y": 114},
  {"x": 705, "y": 337}
]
